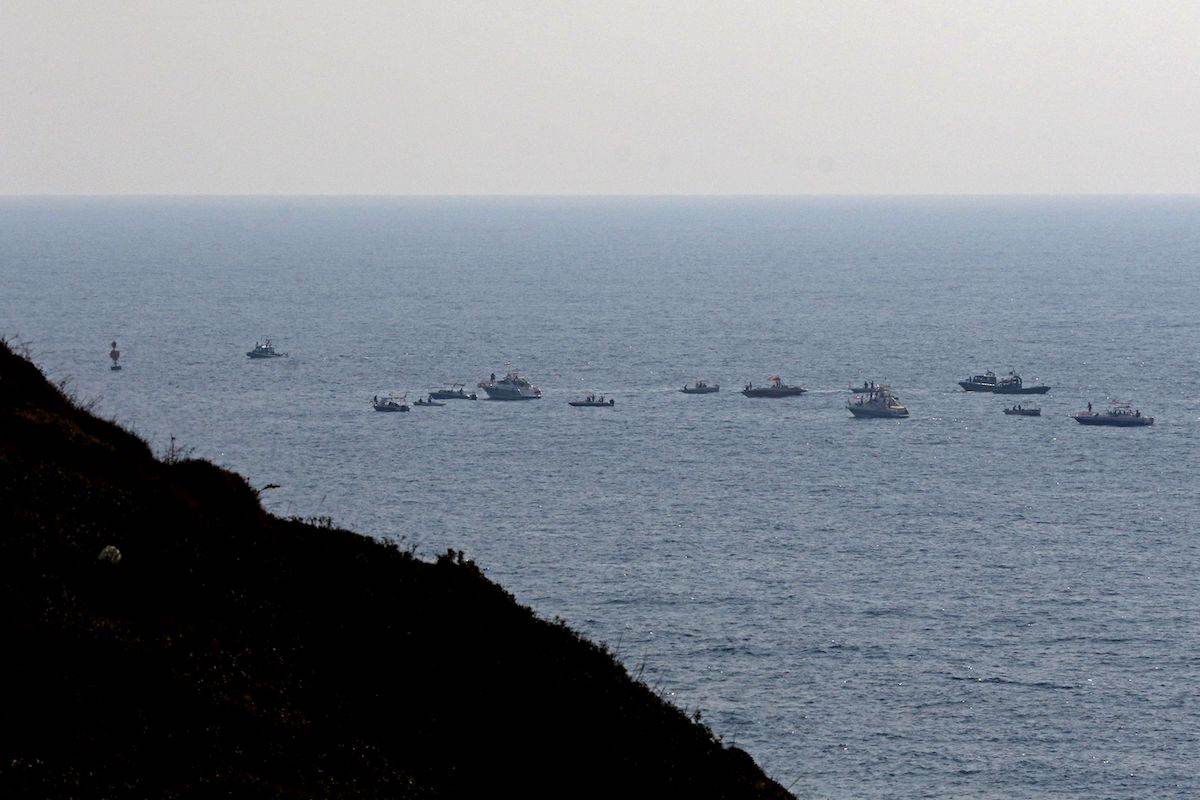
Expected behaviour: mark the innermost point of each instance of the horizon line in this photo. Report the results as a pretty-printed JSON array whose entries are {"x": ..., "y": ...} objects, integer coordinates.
[{"x": 581, "y": 195}]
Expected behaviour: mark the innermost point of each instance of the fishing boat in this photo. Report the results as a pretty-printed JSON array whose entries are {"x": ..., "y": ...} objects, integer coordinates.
[
  {"x": 877, "y": 404},
  {"x": 513, "y": 386},
  {"x": 1012, "y": 384},
  {"x": 389, "y": 403},
  {"x": 427, "y": 402},
  {"x": 700, "y": 387},
  {"x": 265, "y": 349},
  {"x": 775, "y": 388},
  {"x": 1119, "y": 415},
  {"x": 591, "y": 400},
  {"x": 455, "y": 392},
  {"x": 866, "y": 388},
  {"x": 979, "y": 383},
  {"x": 114, "y": 354},
  {"x": 1022, "y": 411}
]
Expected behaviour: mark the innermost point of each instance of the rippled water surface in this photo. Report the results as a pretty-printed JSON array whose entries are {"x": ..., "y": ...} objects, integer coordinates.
[{"x": 961, "y": 604}]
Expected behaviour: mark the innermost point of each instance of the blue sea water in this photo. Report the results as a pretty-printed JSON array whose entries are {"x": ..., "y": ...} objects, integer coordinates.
[{"x": 961, "y": 604}]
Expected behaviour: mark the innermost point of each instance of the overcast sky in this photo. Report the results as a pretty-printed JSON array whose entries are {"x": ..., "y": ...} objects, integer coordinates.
[{"x": 203, "y": 97}]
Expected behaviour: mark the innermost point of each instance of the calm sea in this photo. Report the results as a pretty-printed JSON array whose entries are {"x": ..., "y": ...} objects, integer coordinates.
[{"x": 957, "y": 605}]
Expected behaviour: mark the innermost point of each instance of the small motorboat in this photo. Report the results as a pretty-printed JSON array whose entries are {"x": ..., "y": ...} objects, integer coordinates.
[
  {"x": 114, "y": 354},
  {"x": 700, "y": 387},
  {"x": 1119, "y": 415},
  {"x": 427, "y": 402},
  {"x": 775, "y": 388},
  {"x": 867, "y": 388},
  {"x": 265, "y": 349},
  {"x": 591, "y": 400},
  {"x": 389, "y": 403},
  {"x": 1022, "y": 411},
  {"x": 455, "y": 392}
]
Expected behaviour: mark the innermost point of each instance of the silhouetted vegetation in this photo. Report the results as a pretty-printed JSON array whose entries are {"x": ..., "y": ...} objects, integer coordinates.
[{"x": 164, "y": 636}]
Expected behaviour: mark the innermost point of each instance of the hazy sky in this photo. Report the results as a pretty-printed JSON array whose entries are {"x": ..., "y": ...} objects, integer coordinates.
[{"x": 599, "y": 97}]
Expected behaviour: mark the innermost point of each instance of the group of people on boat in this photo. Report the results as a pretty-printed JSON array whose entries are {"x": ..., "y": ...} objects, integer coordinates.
[{"x": 389, "y": 403}]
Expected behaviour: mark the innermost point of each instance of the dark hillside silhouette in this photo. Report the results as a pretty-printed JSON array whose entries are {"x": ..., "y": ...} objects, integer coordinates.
[{"x": 164, "y": 636}]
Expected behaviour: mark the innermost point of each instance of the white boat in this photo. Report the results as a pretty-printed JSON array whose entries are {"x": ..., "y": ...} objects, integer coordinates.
[
  {"x": 513, "y": 386},
  {"x": 265, "y": 349},
  {"x": 389, "y": 403},
  {"x": 1119, "y": 415},
  {"x": 879, "y": 404}
]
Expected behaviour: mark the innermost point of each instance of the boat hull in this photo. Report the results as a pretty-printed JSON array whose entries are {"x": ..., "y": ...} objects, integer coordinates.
[
  {"x": 874, "y": 414},
  {"x": 1023, "y": 412},
  {"x": 588, "y": 404},
  {"x": 866, "y": 412},
  {"x": 508, "y": 394},
  {"x": 700, "y": 390},
  {"x": 1113, "y": 420},
  {"x": 1020, "y": 389},
  {"x": 454, "y": 396},
  {"x": 970, "y": 386},
  {"x": 790, "y": 391}
]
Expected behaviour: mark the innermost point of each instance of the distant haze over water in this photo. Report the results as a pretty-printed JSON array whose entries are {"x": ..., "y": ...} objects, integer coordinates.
[{"x": 961, "y": 604}]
